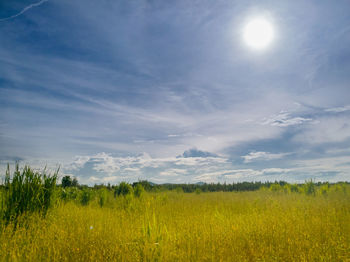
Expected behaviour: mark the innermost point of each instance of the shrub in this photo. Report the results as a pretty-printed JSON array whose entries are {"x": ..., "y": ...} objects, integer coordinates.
[
  {"x": 75, "y": 182},
  {"x": 275, "y": 188},
  {"x": 116, "y": 189},
  {"x": 179, "y": 190},
  {"x": 66, "y": 181},
  {"x": 309, "y": 188},
  {"x": 324, "y": 189},
  {"x": 287, "y": 188},
  {"x": 294, "y": 188},
  {"x": 86, "y": 196},
  {"x": 123, "y": 189},
  {"x": 69, "y": 193},
  {"x": 27, "y": 192},
  {"x": 139, "y": 190},
  {"x": 339, "y": 187}
]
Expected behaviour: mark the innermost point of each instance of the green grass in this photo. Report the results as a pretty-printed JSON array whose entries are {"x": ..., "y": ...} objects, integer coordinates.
[{"x": 26, "y": 192}]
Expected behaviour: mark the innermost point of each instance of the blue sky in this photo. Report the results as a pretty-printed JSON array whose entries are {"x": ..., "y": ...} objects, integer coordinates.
[{"x": 168, "y": 91}]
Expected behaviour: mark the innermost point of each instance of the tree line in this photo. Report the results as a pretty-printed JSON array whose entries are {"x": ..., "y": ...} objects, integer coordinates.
[{"x": 148, "y": 186}]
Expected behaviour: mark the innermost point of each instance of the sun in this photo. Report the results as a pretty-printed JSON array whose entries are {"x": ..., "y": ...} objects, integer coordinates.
[{"x": 258, "y": 33}]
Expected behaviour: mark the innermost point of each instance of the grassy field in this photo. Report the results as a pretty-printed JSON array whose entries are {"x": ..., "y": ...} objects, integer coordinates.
[{"x": 171, "y": 226}]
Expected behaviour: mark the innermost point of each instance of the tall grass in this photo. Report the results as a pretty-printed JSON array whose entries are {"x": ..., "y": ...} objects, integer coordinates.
[
  {"x": 171, "y": 226},
  {"x": 26, "y": 192},
  {"x": 277, "y": 223}
]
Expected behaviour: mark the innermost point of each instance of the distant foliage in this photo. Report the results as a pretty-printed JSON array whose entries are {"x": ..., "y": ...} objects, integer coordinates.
[
  {"x": 294, "y": 188},
  {"x": 276, "y": 188},
  {"x": 179, "y": 189},
  {"x": 138, "y": 190},
  {"x": 75, "y": 182},
  {"x": 310, "y": 188},
  {"x": 86, "y": 196},
  {"x": 198, "y": 191},
  {"x": 102, "y": 197},
  {"x": 66, "y": 181},
  {"x": 123, "y": 189},
  {"x": 324, "y": 189},
  {"x": 26, "y": 192},
  {"x": 148, "y": 186},
  {"x": 71, "y": 193}
]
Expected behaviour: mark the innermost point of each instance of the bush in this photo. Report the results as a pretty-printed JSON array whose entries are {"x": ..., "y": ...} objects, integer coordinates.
[
  {"x": 198, "y": 191},
  {"x": 324, "y": 189},
  {"x": 86, "y": 196},
  {"x": 116, "y": 189},
  {"x": 275, "y": 188},
  {"x": 309, "y": 188},
  {"x": 123, "y": 189},
  {"x": 139, "y": 190},
  {"x": 69, "y": 193},
  {"x": 66, "y": 181},
  {"x": 27, "y": 192},
  {"x": 179, "y": 190},
  {"x": 294, "y": 188}
]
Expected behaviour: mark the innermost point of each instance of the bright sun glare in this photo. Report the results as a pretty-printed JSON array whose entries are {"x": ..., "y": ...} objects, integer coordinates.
[{"x": 258, "y": 33}]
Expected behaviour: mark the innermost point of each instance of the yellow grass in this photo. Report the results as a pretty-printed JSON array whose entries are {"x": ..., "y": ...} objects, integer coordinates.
[{"x": 249, "y": 226}]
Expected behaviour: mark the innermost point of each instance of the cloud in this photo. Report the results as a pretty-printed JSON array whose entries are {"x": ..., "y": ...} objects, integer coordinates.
[
  {"x": 142, "y": 166},
  {"x": 173, "y": 172},
  {"x": 197, "y": 153},
  {"x": 133, "y": 95},
  {"x": 338, "y": 109},
  {"x": 106, "y": 168},
  {"x": 330, "y": 129},
  {"x": 262, "y": 156},
  {"x": 284, "y": 119},
  {"x": 24, "y": 10}
]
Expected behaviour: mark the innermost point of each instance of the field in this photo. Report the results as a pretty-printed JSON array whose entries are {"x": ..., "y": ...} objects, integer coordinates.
[{"x": 264, "y": 225}]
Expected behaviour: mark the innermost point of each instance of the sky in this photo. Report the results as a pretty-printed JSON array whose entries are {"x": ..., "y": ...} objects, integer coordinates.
[{"x": 168, "y": 91}]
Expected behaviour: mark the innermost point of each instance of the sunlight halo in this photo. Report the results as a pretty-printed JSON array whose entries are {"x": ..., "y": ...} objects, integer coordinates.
[{"x": 258, "y": 33}]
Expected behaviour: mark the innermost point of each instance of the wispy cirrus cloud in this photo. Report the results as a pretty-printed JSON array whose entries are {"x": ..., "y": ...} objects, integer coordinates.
[
  {"x": 23, "y": 10},
  {"x": 262, "y": 156},
  {"x": 329, "y": 129},
  {"x": 285, "y": 119},
  {"x": 338, "y": 109}
]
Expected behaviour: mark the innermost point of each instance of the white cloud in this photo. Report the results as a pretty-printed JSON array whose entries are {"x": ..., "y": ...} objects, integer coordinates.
[
  {"x": 78, "y": 162},
  {"x": 132, "y": 169},
  {"x": 173, "y": 172},
  {"x": 258, "y": 156},
  {"x": 338, "y": 109},
  {"x": 329, "y": 129},
  {"x": 284, "y": 119},
  {"x": 171, "y": 135},
  {"x": 106, "y": 168}
]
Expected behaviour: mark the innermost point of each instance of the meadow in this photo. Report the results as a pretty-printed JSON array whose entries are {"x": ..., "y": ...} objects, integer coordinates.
[{"x": 276, "y": 223}]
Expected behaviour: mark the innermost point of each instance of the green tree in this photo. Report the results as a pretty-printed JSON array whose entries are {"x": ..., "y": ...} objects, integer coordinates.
[
  {"x": 75, "y": 182},
  {"x": 66, "y": 181}
]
